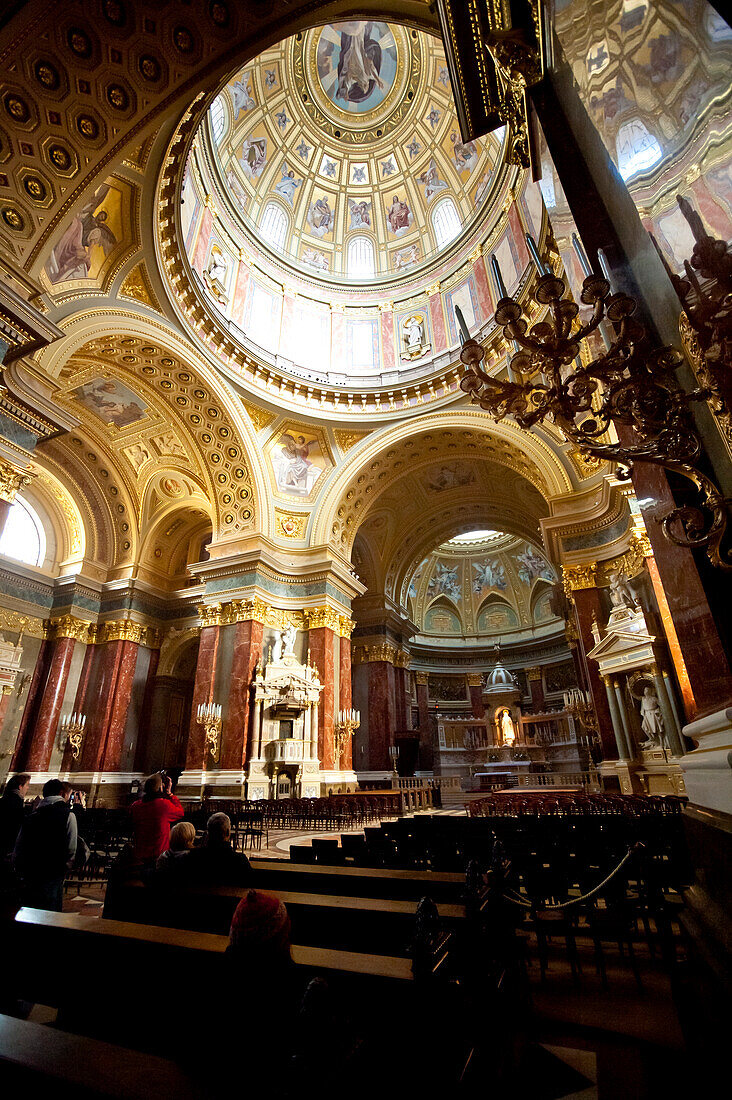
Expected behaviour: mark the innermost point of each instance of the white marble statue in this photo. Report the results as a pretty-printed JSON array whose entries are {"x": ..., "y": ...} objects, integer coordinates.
[
  {"x": 288, "y": 637},
  {"x": 277, "y": 647},
  {"x": 508, "y": 733},
  {"x": 651, "y": 719},
  {"x": 621, "y": 594}
]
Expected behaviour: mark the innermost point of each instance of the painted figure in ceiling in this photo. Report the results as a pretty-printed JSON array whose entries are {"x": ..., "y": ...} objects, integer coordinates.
[
  {"x": 253, "y": 156},
  {"x": 489, "y": 574},
  {"x": 288, "y": 185},
  {"x": 241, "y": 94},
  {"x": 295, "y": 468},
  {"x": 320, "y": 217},
  {"x": 359, "y": 64},
  {"x": 431, "y": 181},
  {"x": 398, "y": 216},
  {"x": 71, "y": 257},
  {"x": 360, "y": 214},
  {"x": 464, "y": 153}
]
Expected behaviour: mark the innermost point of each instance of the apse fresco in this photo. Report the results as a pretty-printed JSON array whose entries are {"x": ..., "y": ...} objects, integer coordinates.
[
  {"x": 357, "y": 64},
  {"x": 111, "y": 401},
  {"x": 497, "y": 618},
  {"x": 90, "y": 236}
]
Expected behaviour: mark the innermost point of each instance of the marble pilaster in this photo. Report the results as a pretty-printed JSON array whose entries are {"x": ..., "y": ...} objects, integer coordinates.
[
  {"x": 475, "y": 687},
  {"x": 536, "y": 687},
  {"x": 382, "y": 713},
  {"x": 321, "y": 641},
  {"x": 345, "y": 696}
]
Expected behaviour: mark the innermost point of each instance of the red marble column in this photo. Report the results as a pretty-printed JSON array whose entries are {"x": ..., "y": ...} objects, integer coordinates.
[
  {"x": 100, "y": 705},
  {"x": 426, "y": 748},
  {"x": 476, "y": 696},
  {"x": 345, "y": 697},
  {"x": 202, "y": 693},
  {"x": 536, "y": 688},
  {"x": 587, "y": 605},
  {"x": 114, "y": 741},
  {"x": 401, "y": 702},
  {"x": 81, "y": 699},
  {"x": 32, "y": 704},
  {"x": 382, "y": 713},
  {"x": 38, "y": 756},
  {"x": 320, "y": 640},
  {"x": 705, "y": 660},
  {"x": 235, "y": 731}
]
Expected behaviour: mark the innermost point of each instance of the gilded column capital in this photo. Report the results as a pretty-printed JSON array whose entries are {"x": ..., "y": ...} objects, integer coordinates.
[
  {"x": 212, "y": 614},
  {"x": 475, "y": 679},
  {"x": 575, "y": 577},
  {"x": 121, "y": 630},
  {"x": 345, "y": 626},
  {"x": 403, "y": 659},
  {"x": 12, "y": 480},
  {"x": 317, "y": 617},
  {"x": 384, "y": 651},
  {"x": 422, "y": 678},
  {"x": 68, "y": 626},
  {"x": 255, "y": 610},
  {"x": 534, "y": 673},
  {"x": 629, "y": 563}
]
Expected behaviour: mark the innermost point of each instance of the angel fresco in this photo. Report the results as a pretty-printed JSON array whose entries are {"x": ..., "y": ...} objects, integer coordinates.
[
  {"x": 320, "y": 217},
  {"x": 489, "y": 574},
  {"x": 241, "y": 94},
  {"x": 295, "y": 470},
  {"x": 464, "y": 153},
  {"x": 360, "y": 214},
  {"x": 359, "y": 63},
  {"x": 287, "y": 185},
  {"x": 531, "y": 565},
  {"x": 431, "y": 181},
  {"x": 112, "y": 401},
  {"x": 71, "y": 257},
  {"x": 445, "y": 581}
]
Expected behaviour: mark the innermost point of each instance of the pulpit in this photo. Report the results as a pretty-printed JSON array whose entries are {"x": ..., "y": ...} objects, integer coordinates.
[{"x": 284, "y": 761}]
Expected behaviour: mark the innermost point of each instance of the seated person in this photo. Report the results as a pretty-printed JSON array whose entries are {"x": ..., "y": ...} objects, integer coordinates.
[
  {"x": 182, "y": 836},
  {"x": 215, "y": 863},
  {"x": 152, "y": 817}
]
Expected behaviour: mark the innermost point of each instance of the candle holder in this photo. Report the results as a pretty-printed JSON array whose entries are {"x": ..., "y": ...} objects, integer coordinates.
[
  {"x": 348, "y": 722},
  {"x": 209, "y": 716},
  {"x": 626, "y": 385},
  {"x": 72, "y": 730},
  {"x": 394, "y": 756}
]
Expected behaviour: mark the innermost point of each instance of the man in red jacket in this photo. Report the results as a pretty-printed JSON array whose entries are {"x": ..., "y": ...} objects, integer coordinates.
[{"x": 152, "y": 817}]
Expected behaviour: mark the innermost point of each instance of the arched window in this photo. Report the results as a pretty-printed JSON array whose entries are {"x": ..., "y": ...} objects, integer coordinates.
[
  {"x": 445, "y": 222},
  {"x": 218, "y": 119},
  {"x": 637, "y": 148},
  {"x": 361, "y": 263},
  {"x": 23, "y": 537},
  {"x": 273, "y": 226}
]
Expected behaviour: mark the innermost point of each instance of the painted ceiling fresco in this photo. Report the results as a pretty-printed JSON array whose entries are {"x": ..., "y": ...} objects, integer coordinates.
[
  {"x": 500, "y": 585},
  {"x": 340, "y": 149}
]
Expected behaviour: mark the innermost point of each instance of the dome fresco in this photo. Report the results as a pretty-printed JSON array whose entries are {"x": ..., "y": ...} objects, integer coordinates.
[
  {"x": 498, "y": 586},
  {"x": 339, "y": 149}
]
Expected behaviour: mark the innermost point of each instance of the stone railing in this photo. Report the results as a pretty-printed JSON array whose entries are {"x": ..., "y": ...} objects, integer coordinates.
[{"x": 582, "y": 780}]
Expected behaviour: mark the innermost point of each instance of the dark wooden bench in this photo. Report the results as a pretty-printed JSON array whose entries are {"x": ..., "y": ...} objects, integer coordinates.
[
  {"x": 381, "y": 926},
  {"x": 363, "y": 882},
  {"x": 46, "y": 1060}
]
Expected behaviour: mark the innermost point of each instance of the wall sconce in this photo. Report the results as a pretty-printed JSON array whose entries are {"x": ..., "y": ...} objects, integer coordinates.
[
  {"x": 72, "y": 730},
  {"x": 209, "y": 716}
]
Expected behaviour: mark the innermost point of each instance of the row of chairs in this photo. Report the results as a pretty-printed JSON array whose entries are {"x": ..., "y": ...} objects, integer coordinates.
[{"x": 575, "y": 804}]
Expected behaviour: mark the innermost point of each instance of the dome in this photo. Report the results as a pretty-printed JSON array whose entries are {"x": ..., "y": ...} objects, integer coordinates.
[
  {"x": 500, "y": 680},
  {"x": 339, "y": 151}
]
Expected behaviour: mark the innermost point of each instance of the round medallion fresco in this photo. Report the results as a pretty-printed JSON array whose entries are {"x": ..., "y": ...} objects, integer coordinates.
[{"x": 356, "y": 64}]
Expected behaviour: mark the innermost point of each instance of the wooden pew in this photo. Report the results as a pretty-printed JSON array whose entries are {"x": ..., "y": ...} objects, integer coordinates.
[
  {"x": 382, "y": 926},
  {"x": 363, "y": 882},
  {"x": 45, "y": 1060}
]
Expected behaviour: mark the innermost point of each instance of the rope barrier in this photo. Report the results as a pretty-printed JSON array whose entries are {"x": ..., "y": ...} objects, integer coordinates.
[{"x": 517, "y": 900}]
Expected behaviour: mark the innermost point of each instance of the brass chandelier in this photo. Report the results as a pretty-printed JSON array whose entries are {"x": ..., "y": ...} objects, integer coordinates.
[{"x": 627, "y": 386}]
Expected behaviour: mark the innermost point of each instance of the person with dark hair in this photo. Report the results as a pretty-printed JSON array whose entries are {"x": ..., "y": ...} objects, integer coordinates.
[
  {"x": 46, "y": 848},
  {"x": 152, "y": 816},
  {"x": 216, "y": 863},
  {"x": 12, "y": 812}
]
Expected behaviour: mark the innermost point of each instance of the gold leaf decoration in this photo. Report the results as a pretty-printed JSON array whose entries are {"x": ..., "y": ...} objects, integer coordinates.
[
  {"x": 290, "y": 525},
  {"x": 260, "y": 418},
  {"x": 137, "y": 286},
  {"x": 346, "y": 440}
]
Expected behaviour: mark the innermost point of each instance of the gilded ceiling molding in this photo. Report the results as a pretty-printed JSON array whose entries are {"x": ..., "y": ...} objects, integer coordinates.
[
  {"x": 16, "y": 622},
  {"x": 136, "y": 285},
  {"x": 291, "y": 525},
  {"x": 260, "y": 418},
  {"x": 120, "y": 325}
]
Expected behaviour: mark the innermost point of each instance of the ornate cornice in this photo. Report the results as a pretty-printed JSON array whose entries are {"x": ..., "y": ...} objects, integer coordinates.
[
  {"x": 597, "y": 574},
  {"x": 24, "y": 624}
]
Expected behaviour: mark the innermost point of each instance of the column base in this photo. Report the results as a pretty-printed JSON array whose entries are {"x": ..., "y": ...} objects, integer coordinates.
[
  {"x": 102, "y": 789},
  {"x": 194, "y": 785},
  {"x": 653, "y": 774},
  {"x": 708, "y": 768}
]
